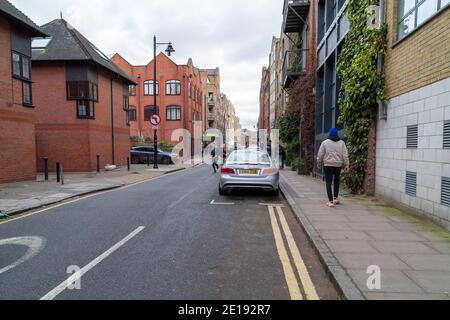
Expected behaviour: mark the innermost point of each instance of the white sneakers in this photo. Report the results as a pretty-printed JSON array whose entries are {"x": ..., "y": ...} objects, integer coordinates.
[{"x": 333, "y": 204}]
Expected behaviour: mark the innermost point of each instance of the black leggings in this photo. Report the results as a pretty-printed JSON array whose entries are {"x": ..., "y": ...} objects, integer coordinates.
[{"x": 332, "y": 174}]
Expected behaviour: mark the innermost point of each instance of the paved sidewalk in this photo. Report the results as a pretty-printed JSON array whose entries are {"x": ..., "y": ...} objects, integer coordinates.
[
  {"x": 19, "y": 197},
  {"x": 413, "y": 255}
]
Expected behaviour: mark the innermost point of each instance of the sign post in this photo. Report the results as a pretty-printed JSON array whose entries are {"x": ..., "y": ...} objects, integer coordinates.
[{"x": 155, "y": 121}]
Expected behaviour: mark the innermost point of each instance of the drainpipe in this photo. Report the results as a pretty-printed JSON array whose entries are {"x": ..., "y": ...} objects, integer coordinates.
[
  {"x": 138, "y": 111},
  {"x": 380, "y": 63},
  {"x": 112, "y": 126}
]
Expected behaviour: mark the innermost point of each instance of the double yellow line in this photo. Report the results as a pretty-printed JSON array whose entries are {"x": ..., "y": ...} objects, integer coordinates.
[{"x": 303, "y": 274}]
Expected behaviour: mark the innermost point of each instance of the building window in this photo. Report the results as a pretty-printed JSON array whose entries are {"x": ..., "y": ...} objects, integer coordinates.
[
  {"x": 85, "y": 90},
  {"x": 126, "y": 103},
  {"x": 85, "y": 109},
  {"x": 21, "y": 66},
  {"x": 413, "y": 13},
  {"x": 149, "y": 88},
  {"x": 132, "y": 113},
  {"x": 149, "y": 111},
  {"x": 189, "y": 89},
  {"x": 173, "y": 87},
  {"x": 173, "y": 113},
  {"x": 26, "y": 91},
  {"x": 132, "y": 90}
]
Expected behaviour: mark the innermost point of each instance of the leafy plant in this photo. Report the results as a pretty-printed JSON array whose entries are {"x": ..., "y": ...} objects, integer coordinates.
[
  {"x": 362, "y": 86},
  {"x": 302, "y": 105},
  {"x": 297, "y": 163},
  {"x": 292, "y": 151},
  {"x": 289, "y": 124},
  {"x": 4, "y": 215},
  {"x": 166, "y": 146},
  {"x": 137, "y": 141}
]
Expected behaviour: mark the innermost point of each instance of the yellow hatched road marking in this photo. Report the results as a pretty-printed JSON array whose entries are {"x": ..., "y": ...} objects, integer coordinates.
[
  {"x": 308, "y": 286},
  {"x": 291, "y": 280}
]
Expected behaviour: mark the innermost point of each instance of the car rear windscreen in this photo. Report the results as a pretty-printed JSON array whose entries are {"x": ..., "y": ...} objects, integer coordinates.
[{"x": 248, "y": 157}]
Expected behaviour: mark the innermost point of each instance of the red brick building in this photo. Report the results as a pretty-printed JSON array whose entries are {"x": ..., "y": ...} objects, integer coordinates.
[
  {"x": 81, "y": 100},
  {"x": 17, "y": 130},
  {"x": 179, "y": 96}
]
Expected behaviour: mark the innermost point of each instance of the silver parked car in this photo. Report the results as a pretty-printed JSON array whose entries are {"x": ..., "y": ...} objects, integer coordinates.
[{"x": 249, "y": 169}]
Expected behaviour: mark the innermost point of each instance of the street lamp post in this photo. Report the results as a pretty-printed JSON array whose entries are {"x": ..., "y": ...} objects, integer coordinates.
[{"x": 169, "y": 51}]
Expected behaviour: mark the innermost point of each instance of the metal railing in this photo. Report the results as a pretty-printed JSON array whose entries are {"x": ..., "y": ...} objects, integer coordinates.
[
  {"x": 288, "y": 3},
  {"x": 295, "y": 62}
]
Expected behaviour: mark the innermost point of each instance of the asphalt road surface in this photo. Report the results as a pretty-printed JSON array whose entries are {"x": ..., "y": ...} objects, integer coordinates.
[{"x": 169, "y": 238}]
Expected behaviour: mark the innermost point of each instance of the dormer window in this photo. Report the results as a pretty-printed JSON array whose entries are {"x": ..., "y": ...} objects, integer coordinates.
[{"x": 77, "y": 90}]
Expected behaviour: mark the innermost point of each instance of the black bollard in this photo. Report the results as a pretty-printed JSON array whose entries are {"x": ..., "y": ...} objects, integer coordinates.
[
  {"x": 46, "y": 169},
  {"x": 58, "y": 172},
  {"x": 128, "y": 164},
  {"x": 98, "y": 164}
]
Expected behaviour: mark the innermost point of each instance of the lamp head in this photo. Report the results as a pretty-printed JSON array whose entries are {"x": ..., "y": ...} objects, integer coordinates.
[{"x": 170, "y": 49}]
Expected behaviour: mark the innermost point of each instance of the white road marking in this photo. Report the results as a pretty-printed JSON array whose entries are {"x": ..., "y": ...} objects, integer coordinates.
[
  {"x": 214, "y": 203},
  {"x": 174, "y": 204},
  {"x": 75, "y": 277},
  {"x": 34, "y": 244},
  {"x": 272, "y": 205}
]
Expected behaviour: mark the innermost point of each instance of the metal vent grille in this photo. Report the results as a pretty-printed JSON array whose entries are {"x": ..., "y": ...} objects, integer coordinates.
[
  {"x": 412, "y": 138},
  {"x": 445, "y": 195},
  {"x": 447, "y": 134},
  {"x": 411, "y": 184}
]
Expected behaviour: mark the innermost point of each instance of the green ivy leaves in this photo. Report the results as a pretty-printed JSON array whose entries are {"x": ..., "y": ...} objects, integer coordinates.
[{"x": 362, "y": 86}]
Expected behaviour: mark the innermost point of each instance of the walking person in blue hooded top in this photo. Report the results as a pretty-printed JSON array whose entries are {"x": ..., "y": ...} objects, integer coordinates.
[{"x": 333, "y": 154}]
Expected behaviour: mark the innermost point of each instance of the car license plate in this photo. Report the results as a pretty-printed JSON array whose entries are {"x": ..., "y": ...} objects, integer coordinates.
[{"x": 249, "y": 171}]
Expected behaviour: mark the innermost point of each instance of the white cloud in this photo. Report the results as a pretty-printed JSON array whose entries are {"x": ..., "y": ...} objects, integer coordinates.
[{"x": 234, "y": 35}]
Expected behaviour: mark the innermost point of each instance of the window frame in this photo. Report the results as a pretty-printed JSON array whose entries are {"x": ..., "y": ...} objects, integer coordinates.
[
  {"x": 169, "y": 84},
  {"x": 89, "y": 106},
  {"x": 414, "y": 9},
  {"x": 92, "y": 90},
  {"x": 24, "y": 103},
  {"x": 132, "y": 111},
  {"x": 150, "y": 85},
  {"x": 153, "y": 111},
  {"x": 132, "y": 90},
  {"x": 178, "y": 113},
  {"x": 21, "y": 56}
]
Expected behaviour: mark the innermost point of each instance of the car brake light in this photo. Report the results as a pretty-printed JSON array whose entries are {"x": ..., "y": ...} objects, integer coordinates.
[
  {"x": 269, "y": 172},
  {"x": 227, "y": 171}
]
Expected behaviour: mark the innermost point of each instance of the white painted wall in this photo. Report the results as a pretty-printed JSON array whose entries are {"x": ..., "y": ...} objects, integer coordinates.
[{"x": 428, "y": 107}]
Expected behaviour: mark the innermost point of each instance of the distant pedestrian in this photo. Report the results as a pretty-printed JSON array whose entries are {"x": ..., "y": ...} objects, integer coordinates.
[
  {"x": 333, "y": 154},
  {"x": 281, "y": 155},
  {"x": 269, "y": 148},
  {"x": 215, "y": 158}
]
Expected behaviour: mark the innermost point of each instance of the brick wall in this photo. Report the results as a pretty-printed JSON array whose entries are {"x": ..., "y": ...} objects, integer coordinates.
[
  {"x": 17, "y": 140},
  {"x": 421, "y": 58},
  {"x": 166, "y": 70},
  {"x": 73, "y": 142}
]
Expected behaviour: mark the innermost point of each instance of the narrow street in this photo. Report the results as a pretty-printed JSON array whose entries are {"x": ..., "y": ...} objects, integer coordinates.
[{"x": 172, "y": 237}]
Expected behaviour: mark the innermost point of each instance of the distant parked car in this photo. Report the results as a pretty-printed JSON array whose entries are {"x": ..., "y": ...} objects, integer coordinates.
[{"x": 141, "y": 154}]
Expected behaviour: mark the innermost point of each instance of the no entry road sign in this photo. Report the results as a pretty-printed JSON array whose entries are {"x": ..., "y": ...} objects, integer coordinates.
[{"x": 155, "y": 120}]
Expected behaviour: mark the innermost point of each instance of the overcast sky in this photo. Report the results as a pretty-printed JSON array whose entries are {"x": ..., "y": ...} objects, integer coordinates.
[{"x": 234, "y": 35}]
